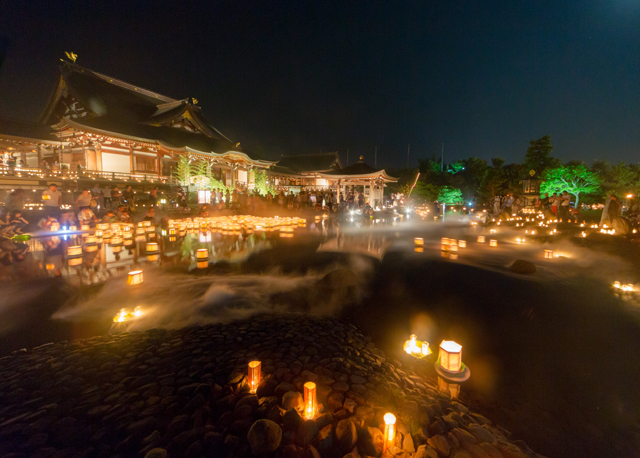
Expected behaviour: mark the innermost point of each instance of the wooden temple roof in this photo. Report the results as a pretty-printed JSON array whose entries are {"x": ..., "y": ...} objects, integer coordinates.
[{"x": 317, "y": 162}]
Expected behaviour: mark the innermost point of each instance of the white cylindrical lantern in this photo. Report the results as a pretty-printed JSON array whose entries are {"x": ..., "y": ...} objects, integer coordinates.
[
  {"x": 309, "y": 400},
  {"x": 389, "y": 431},
  {"x": 254, "y": 375}
]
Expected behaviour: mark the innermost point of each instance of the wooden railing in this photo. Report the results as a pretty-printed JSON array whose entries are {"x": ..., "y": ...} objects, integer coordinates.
[{"x": 66, "y": 174}]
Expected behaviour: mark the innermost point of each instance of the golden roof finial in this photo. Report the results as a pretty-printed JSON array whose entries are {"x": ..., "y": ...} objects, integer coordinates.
[
  {"x": 71, "y": 56},
  {"x": 195, "y": 101}
]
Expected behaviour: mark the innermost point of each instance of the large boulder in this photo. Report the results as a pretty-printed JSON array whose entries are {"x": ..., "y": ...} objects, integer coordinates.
[
  {"x": 523, "y": 267},
  {"x": 264, "y": 437},
  {"x": 346, "y": 435},
  {"x": 341, "y": 278},
  {"x": 622, "y": 226}
]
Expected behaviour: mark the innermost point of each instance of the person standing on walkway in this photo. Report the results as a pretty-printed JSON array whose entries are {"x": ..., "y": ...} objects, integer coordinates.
[
  {"x": 84, "y": 200},
  {"x": 52, "y": 200}
]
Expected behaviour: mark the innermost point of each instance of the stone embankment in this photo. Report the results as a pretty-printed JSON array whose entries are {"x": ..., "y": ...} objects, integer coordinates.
[{"x": 184, "y": 393}]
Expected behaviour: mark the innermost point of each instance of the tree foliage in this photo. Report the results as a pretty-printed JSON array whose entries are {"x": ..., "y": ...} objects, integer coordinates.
[
  {"x": 182, "y": 172},
  {"x": 262, "y": 184},
  {"x": 450, "y": 195},
  {"x": 575, "y": 179}
]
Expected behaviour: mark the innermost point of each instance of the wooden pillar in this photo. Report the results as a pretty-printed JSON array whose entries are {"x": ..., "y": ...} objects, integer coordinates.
[
  {"x": 131, "y": 162},
  {"x": 39, "y": 151}
]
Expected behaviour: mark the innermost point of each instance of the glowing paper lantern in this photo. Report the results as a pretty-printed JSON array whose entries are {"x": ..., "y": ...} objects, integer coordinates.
[
  {"x": 309, "y": 400},
  {"x": 74, "y": 251},
  {"x": 450, "y": 356},
  {"x": 481, "y": 239},
  {"x": 152, "y": 247},
  {"x": 389, "y": 431},
  {"x": 55, "y": 227},
  {"x": 153, "y": 257},
  {"x": 74, "y": 261},
  {"x": 254, "y": 375},
  {"x": 140, "y": 230},
  {"x": 85, "y": 227},
  {"x": 202, "y": 253},
  {"x": 493, "y": 242},
  {"x": 419, "y": 241},
  {"x": 135, "y": 277},
  {"x": 116, "y": 240},
  {"x": 202, "y": 264},
  {"x": 548, "y": 254},
  {"x": 102, "y": 226},
  {"x": 462, "y": 243},
  {"x": 91, "y": 248}
]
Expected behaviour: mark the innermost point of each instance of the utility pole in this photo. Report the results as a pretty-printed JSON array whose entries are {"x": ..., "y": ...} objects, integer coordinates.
[
  {"x": 442, "y": 162},
  {"x": 375, "y": 158},
  {"x": 408, "y": 149}
]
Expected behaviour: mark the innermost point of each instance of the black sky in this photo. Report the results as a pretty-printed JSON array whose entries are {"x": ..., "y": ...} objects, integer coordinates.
[{"x": 484, "y": 77}]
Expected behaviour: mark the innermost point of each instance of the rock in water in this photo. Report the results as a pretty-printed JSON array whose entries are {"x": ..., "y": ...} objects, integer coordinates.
[
  {"x": 264, "y": 437},
  {"x": 622, "y": 226},
  {"x": 523, "y": 267},
  {"x": 346, "y": 435},
  {"x": 341, "y": 278}
]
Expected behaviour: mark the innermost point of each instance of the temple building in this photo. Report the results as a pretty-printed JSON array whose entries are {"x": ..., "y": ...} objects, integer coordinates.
[
  {"x": 324, "y": 171},
  {"x": 106, "y": 128}
]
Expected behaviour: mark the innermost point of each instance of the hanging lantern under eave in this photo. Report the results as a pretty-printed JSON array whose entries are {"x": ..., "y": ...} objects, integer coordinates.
[
  {"x": 135, "y": 277},
  {"x": 389, "y": 431},
  {"x": 548, "y": 254},
  {"x": 309, "y": 400},
  {"x": 254, "y": 375}
]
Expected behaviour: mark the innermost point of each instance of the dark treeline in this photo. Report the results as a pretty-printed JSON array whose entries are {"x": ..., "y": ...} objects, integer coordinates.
[{"x": 482, "y": 179}]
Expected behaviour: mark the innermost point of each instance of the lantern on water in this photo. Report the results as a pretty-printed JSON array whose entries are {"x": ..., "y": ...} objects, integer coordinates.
[
  {"x": 74, "y": 251},
  {"x": 90, "y": 240},
  {"x": 481, "y": 239},
  {"x": 55, "y": 227},
  {"x": 140, "y": 230},
  {"x": 202, "y": 253},
  {"x": 117, "y": 249},
  {"x": 548, "y": 254},
  {"x": 309, "y": 400},
  {"x": 135, "y": 277},
  {"x": 419, "y": 241},
  {"x": 102, "y": 226},
  {"x": 85, "y": 227},
  {"x": 152, "y": 247},
  {"x": 74, "y": 261},
  {"x": 462, "y": 243},
  {"x": 389, "y": 430},
  {"x": 73, "y": 228},
  {"x": 254, "y": 375},
  {"x": 98, "y": 234},
  {"x": 453, "y": 247},
  {"x": 444, "y": 241},
  {"x": 450, "y": 356},
  {"x": 172, "y": 231},
  {"x": 116, "y": 240},
  {"x": 493, "y": 242},
  {"x": 153, "y": 257}
]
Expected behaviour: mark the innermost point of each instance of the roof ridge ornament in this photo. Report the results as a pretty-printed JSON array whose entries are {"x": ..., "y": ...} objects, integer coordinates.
[{"x": 71, "y": 56}]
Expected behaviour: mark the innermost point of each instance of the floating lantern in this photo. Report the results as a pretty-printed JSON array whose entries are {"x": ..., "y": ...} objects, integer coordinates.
[
  {"x": 152, "y": 247},
  {"x": 445, "y": 241},
  {"x": 74, "y": 251},
  {"x": 309, "y": 400},
  {"x": 124, "y": 315},
  {"x": 453, "y": 247},
  {"x": 493, "y": 242},
  {"x": 91, "y": 240},
  {"x": 50, "y": 266},
  {"x": 74, "y": 262},
  {"x": 102, "y": 226},
  {"x": 418, "y": 241},
  {"x": 151, "y": 229},
  {"x": 55, "y": 227},
  {"x": 202, "y": 253},
  {"x": 140, "y": 231},
  {"x": 254, "y": 375},
  {"x": 85, "y": 227},
  {"x": 91, "y": 248},
  {"x": 389, "y": 431},
  {"x": 481, "y": 239},
  {"x": 98, "y": 233},
  {"x": 172, "y": 231},
  {"x": 135, "y": 277},
  {"x": 462, "y": 243},
  {"x": 116, "y": 240},
  {"x": 73, "y": 228},
  {"x": 548, "y": 254},
  {"x": 449, "y": 365}
]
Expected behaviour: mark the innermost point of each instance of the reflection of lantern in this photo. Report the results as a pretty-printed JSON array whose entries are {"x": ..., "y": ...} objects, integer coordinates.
[
  {"x": 91, "y": 248},
  {"x": 90, "y": 240},
  {"x": 172, "y": 231},
  {"x": 135, "y": 277},
  {"x": 418, "y": 249},
  {"x": 202, "y": 253},
  {"x": 309, "y": 400},
  {"x": 493, "y": 242},
  {"x": 152, "y": 247},
  {"x": 55, "y": 227},
  {"x": 453, "y": 247},
  {"x": 85, "y": 227},
  {"x": 202, "y": 264},
  {"x": 481, "y": 239},
  {"x": 444, "y": 241},
  {"x": 254, "y": 375},
  {"x": 74, "y": 251},
  {"x": 452, "y": 388},
  {"x": 548, "y": 254},
  {"x": 419, "y": 241},
  {"x": 462, "y": 243},
  {"x": 450, "y": 356},
  {"x": 389, "y": 430},
  {"x": 74, "y": 261},
  {"x": 50, "y": 266},
  {"x": 153, "y": 257},
  {"x": 172, "y": 239},
  {"x": 117, "y": 249}
]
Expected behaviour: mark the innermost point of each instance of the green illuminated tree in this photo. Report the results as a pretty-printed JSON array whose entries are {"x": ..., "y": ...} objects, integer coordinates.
[
  {"x": 450, "y": 195},
  {"x": 262, "y": 183},
  {"x": 456, "y": 166},
  {"x": 575, "y": 179},
  {"x": 182, "y": 172}
]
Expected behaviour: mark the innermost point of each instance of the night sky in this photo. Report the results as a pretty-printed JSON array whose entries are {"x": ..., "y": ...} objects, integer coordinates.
[{"x": 483, "y": 77}]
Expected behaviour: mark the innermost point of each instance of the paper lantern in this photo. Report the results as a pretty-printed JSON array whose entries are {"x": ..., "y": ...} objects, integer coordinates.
[
  {"x": 73, "y": 228},
  {"x": 254, "y": 375},
  {"x": 85, "y": 227},
  {"x": 152, "y": 247},
  {"x": 141, "y": 230},
  {"x": 90, "y": 240},
  {"x": 117, "y": 249},
  {"x": 389, "y": 431},
  {"x": 309, "y": 400},
  {"x": 74, "y": 262},
  {"x": 172, "y": 231},
  {"x": 127, "y": 228},
  {"x": 50, "y": 266},
  {"x": 202, "y": 253},
  {"x": 146, "y": 223},
  {"x": 462, "y": 243},
  {"x": 74, "y": 251},
  {"x": 493, "y": 242},
  {"x": 481, "y": 239},
  {"x": 98, "y": 233},
  {"x": 135, "y": 277},
  {"x": 202, "y": 264},
  {"x": 116, "y": 240},
  {"x": 548, "y": 254},
  {"x": 444, "y": 241},
  {"x": 55, "y": 227},
  {"x": 450, "y": 356},
  {"x": 151, "y": 229},
  {"x": 453, "y": 247},
  {"x": 419, "y": 241},
  {"x": 102, "y": 226}
]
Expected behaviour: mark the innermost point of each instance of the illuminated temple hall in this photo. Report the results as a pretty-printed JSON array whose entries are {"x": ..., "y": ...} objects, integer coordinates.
[{"x": 113, "y": 129}]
